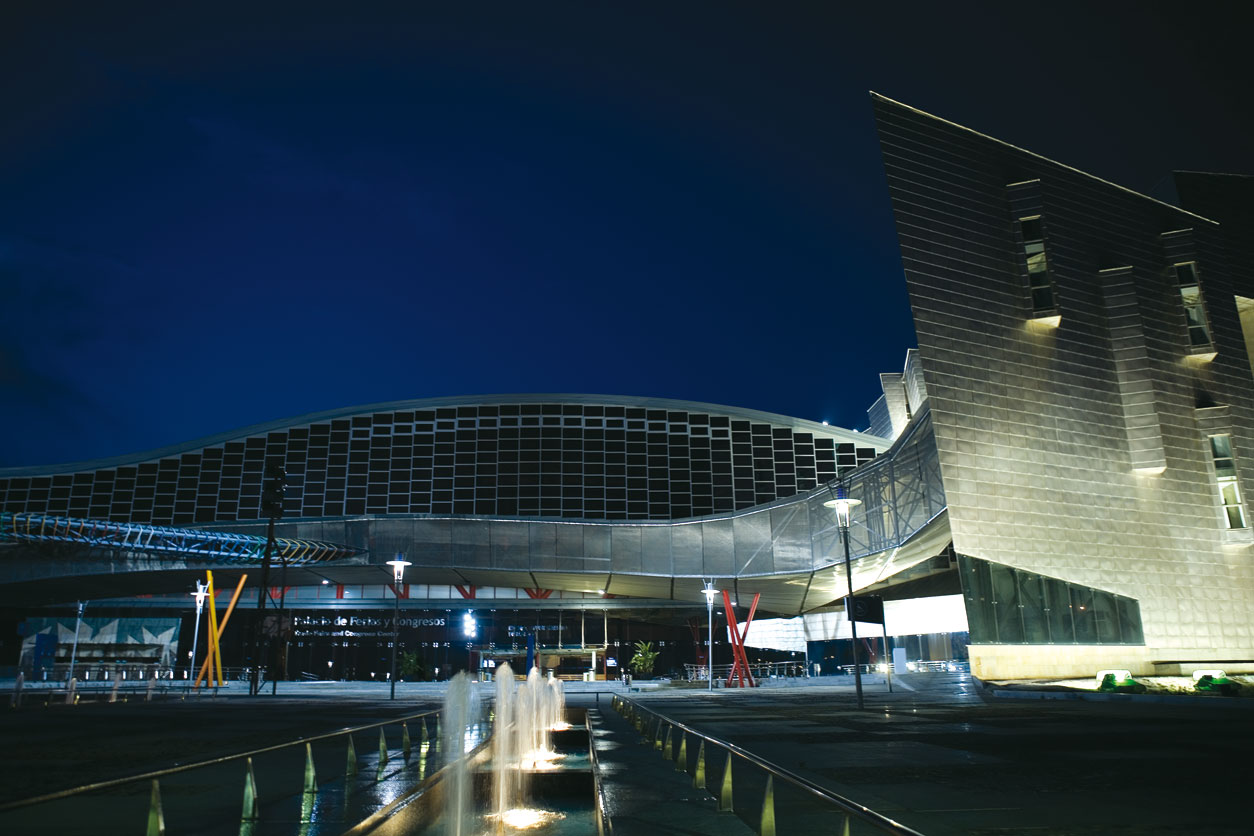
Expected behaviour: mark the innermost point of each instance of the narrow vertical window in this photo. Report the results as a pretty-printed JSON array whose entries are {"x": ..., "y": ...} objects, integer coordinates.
[
  {"x": 1226, "y": 481},
  {"x": 1039, "y": 285},
  {"x": 1194, "y": 308}
]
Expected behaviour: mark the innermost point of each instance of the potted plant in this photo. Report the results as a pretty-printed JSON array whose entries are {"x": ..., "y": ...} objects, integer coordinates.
[{"x": 642, "y": 660}]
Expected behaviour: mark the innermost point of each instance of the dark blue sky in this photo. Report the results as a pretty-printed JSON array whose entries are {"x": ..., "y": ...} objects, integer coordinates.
[{"x": 211, "y": 219}]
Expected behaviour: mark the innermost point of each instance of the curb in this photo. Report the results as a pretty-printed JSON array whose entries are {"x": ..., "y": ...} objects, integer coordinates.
[{"x": 1160, "y": 699}]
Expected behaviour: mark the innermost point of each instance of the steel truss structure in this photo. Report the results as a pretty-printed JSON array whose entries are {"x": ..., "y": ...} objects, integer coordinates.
[{"x": 219, "y": 546}]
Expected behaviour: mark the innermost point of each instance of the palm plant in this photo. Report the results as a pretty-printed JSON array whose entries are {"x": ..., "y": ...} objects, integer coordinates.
[{"x": 643, "y": 659}]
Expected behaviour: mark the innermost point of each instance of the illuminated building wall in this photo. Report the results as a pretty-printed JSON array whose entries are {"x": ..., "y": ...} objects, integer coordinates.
[{"x": 1086, "y": 371}]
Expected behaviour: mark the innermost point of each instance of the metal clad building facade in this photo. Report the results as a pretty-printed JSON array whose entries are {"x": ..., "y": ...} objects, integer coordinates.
[{"x": 1073, "y": 397}]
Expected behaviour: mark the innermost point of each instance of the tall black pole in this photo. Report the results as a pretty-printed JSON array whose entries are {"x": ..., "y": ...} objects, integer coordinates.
[
  {"x": 280, "y": 647},
  {"x": 853, "y": 624},
  {"x": 709, "y": 649},
  {"x": 254, "y": 685},
  {"x": 396, "y": 625},
  {"x": 398, "y": 565},
  {"x": 272, "y": 491}
]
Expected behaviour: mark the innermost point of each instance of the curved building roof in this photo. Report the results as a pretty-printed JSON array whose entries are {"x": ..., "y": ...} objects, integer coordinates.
[
  {"x": 772, "y": 418},
  {"x": 549, "y": 456}
]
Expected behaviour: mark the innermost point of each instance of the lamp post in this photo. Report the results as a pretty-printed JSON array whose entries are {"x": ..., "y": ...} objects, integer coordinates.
[
  {"x": 272, "y": 493},
  {"x": 398, "y": 565},
  {"x": 74, "y": 652},
  {"x": 202, "y": 591},
  {"x": 709, "y": 593},
  {"x": 842, "y": 503}
]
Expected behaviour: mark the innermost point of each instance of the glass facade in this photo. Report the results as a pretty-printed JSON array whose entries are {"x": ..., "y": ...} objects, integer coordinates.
[
  {"x": 1039, "y": 284},
  {"x": 1226, "y": 481},
  {"x": 901, "y": 494},
  {"x": 1011, "y": 606},
  {"x": 1194, "y": 307},
  {"x": 568, "y": 460}
]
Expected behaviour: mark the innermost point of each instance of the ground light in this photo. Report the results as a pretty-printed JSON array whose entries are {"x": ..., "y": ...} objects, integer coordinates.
[
  {"x": 1121, "y": 677},
  {"x": 398, "y": 565},
  {"x": 1118, "y": 680},
  {"x": 1215, "y": 680},
  {"x": 527, "y": 818}
]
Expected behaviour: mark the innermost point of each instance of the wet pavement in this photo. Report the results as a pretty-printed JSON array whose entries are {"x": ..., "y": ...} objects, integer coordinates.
[
  {"x": 944, "y": 756},
  {"x": 939, "y": 754},
  {"x": 60, "y": 746},
  {"x": 644, "y": 795}
]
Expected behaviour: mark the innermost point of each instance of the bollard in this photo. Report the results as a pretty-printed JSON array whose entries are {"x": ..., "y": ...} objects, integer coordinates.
[
  {"x": 311, "y": 778},
  {"x": 156, "y": 819},
  {"x": 766, "y": 827},
  {"x": 725, "y": 793},
  {"x": 844, "y": 831},
  {"x": 350, "y": 768},
  {"x": 405, "y": 744},
  {"x": 113, "y": 694},
  {"x": 152, "y": 683},
  {"x": 249, "y": 813},
  {"x": 681, "y": 760},
  {"x": 698, "y": 776},
  {"x": 657, "y": 740},
  {"x": 383, "y": 751},
  {"x": 666, "y": 747},
  {"x": 311, "y": 787},
  {"x": 425, "y": 743}
]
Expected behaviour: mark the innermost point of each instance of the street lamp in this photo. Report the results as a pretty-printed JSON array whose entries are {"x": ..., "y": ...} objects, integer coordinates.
[
  {"x": 709, "y": 593},
  {"x": 202, "y": 592},
  {"x": 398, "y": 565},
  {"x": 842, "y": 503},
  {"x": 74, "y": 652},
  {"x": 272, "y": 493}
]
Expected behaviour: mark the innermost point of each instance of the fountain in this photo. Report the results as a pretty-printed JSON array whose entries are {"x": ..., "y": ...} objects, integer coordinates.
[
  {"x": 526, "y": 717},
  {"x": 460, "y": 713},
  {"x": 527, "y": 779}
]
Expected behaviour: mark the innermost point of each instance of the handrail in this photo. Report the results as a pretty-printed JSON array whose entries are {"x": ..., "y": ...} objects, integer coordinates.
[
  {"x": 849, "y": 806},
  {"x": 792, "y": 669},
  {"x": 173, "y": 770}
]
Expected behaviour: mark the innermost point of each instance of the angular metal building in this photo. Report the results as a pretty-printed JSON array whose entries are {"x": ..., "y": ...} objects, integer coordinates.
[{"x": 1090, "y": 392}]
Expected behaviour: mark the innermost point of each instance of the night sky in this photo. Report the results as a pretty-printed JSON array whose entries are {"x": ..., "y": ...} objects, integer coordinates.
[{"x": 211, "y": 218}]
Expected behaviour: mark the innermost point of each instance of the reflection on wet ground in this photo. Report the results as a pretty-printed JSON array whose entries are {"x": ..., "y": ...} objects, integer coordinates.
[{"x": 943, "y": 756}]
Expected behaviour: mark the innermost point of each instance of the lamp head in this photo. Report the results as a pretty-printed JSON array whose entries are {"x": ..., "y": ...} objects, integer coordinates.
[
  {"x": 842, "y": 502},
  {"x": 709, "y": 592},
  {"x": 202, "y": 591},
  {"x": 398, "y": 565}
]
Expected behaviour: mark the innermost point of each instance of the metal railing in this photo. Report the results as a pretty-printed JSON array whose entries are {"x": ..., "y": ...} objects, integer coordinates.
[
  {"x": 671, "y": 737},
  {"x": 91, "y": 672},
  {"x": 760, "y": 670},
  {"x": 97, "y": 682},
  {"x": 293, "y": 794}
]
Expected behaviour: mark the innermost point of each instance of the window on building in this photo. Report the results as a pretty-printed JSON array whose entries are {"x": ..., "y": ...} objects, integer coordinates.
[
  {"x": 1226, "y": 481},
  {"x": 1194, "y": 307},
  {"x": 1039, "y": 285}
]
